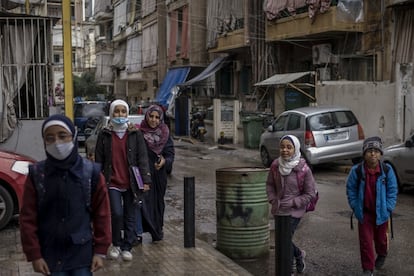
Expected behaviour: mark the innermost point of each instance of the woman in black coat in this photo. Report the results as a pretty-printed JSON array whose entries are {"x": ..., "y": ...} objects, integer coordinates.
[{"x": 161, "y": 157}]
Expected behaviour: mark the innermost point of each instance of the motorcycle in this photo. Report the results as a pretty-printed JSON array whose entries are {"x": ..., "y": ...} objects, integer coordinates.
[{"x": 197, "y": 126}]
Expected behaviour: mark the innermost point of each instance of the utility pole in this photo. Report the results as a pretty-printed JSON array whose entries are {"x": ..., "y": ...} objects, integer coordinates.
[
  {"x": 67, "y": 57},
  {"x": 27, "y": 5}
]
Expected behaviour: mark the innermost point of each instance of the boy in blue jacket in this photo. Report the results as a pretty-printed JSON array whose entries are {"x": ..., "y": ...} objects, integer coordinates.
[{"x": 372, "y": 195}]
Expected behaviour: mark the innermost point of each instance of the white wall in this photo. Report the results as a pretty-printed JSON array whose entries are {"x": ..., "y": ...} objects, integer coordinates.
[
  {"x": 27, "y": 139},
  {"x": 374, "y": 104}
]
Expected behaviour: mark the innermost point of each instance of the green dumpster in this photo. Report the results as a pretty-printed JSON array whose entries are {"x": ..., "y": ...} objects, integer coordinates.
[{"x": 252, "y": 129}]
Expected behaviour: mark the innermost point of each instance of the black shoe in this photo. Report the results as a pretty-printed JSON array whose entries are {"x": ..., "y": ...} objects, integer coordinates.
[
  {"x": 137, "y": 241},
  {"x": 379, "y": 262},
  {"x": 367, "y": 272},
  {"x": 300, "y": 262}
]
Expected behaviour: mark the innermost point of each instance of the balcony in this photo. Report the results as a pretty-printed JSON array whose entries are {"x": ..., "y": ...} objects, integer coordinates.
[
  {"x": 231, "y": 41},
  {"x": 103, "y": 10},
  {"x": 301, "y": 25}
]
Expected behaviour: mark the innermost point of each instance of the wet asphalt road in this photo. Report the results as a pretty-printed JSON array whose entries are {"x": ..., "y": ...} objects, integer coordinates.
[{"x": 332, "y": 247}]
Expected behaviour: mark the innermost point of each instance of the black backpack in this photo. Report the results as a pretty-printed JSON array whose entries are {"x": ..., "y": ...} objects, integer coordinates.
[
  {"x": 90, "y": 171},
  {"x": 360, "y": 176}
]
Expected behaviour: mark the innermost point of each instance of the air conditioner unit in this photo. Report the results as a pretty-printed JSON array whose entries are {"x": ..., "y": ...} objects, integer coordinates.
[
  {"x": 324, "y": 73},
  {"x": 101, "y": 38},
  {"x": 137, "y": 27},
  {"x": 321, "y": 53}
]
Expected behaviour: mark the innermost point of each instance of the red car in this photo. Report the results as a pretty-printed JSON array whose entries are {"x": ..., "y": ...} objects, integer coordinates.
[{"x": 13, "y": 172}]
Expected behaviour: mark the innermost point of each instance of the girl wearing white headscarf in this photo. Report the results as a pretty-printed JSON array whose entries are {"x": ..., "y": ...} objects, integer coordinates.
[
  {"x": 120, "y": 148},
  {"x": 288, "y": 197}
]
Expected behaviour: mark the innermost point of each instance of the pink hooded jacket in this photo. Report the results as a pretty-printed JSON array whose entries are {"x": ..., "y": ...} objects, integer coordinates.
[{"x": 284, "y": 194}]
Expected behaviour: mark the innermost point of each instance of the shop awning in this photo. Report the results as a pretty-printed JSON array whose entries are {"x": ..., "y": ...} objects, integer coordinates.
[
  {"x": 212, "y": 68},
  {"x": 283, "y": 78},
  {"x": 174, "y": 76}
]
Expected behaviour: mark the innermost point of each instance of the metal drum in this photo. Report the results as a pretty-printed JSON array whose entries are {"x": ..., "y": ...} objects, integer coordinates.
[{"x": 242, "y": 212}]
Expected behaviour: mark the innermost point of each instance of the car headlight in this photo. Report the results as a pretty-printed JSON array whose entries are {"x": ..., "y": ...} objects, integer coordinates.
[{"x": 21, "y": 167}]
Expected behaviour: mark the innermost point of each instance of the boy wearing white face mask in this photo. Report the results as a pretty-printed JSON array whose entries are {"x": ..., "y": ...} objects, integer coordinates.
[{"x": 54, "y": 215}]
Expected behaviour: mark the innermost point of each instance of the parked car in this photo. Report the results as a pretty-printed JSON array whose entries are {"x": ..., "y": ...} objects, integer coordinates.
[
  {"x": 13, "y": 172},
  {"x": 103, "y": 122},
  {"x": 401, "y": 158},
  {"x": 87, "y": 115},
  {"x": 326, "y": 134}
]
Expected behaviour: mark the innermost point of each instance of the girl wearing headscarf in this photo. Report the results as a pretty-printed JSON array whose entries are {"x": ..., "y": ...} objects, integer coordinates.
[
  {"x": 287, "y": 198},
  {"x": 119, "y": 147},
  {"x": 59, "y": 234},
  {"x": 161, "y": 157}
]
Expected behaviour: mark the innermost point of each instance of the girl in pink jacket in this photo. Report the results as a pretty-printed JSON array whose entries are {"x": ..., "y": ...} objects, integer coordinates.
[{"x": 290, "y": 187}]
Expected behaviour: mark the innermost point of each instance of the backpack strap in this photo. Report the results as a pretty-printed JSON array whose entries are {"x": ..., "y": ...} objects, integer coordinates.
[
  {"x": 38, "y": 181},
  {"x": 300, "y": 176},
  {"x": 89, "y": 181}
]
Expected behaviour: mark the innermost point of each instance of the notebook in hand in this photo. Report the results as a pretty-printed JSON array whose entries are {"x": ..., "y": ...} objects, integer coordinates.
[{"x": 137, "y": 176}]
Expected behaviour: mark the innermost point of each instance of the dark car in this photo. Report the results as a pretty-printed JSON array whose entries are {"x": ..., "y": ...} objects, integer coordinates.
[
  {"x": 401, "y": 158},
  {"x": 13, "y": 173},
  {"x": 326, "y": 134},
  {"x": 87, "y": 114}
]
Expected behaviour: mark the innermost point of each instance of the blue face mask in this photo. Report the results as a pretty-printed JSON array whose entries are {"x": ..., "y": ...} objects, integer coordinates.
[{"x": 120, "y": 120}]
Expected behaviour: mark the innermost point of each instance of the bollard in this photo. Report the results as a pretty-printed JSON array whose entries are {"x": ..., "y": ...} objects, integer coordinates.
[
  {"x": 189, "y": 212},
  {"x": 283, "y": 246}
]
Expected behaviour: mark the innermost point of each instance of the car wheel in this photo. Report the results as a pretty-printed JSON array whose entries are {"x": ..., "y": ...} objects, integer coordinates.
[
  {"x": 6, "y": 207},
  {"x": 264, "y": 155}
]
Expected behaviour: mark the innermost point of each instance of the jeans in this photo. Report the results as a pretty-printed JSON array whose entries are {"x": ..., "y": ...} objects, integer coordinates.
[
  {"x": 123, "y": 215},
  {"x": 294, "y": 224},
  {"x": 84, "y": 271},
  {"x": 140, "y": 230}
]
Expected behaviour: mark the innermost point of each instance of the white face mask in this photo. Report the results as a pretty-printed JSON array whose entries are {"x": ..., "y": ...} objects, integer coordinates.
[{"x": 60, "y": 151}]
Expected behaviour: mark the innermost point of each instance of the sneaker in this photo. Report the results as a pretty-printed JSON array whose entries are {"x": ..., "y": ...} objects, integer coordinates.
[
  {"x": 300, "y": 262},
  {"x": 368, "y": 272},
  {"x": 293, "y": 266},
  {"x": 114, "y": 252},
  {"x": 126, "y": 255},
  {"x": 137, "y": 241},
  {"x": 379, "y": 262}
]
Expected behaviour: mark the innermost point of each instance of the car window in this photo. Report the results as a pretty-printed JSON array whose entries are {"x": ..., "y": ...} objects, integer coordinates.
[
  {"x": 293, "y": 122},
  {"x": 280, "y": 122},
  {"x": 89, "y": 109},
  {"x": 345, "y": 118},
  {"x": 332, "y": 120},
  {"x": 321, "y": 121}
]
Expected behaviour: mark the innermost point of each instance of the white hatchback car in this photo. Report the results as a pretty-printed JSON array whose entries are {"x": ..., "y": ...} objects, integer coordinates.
[{"x": 326, "y": 134}]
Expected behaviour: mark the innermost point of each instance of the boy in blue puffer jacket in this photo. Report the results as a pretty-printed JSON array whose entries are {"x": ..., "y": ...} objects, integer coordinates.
[{"x": 372, "y": 197}]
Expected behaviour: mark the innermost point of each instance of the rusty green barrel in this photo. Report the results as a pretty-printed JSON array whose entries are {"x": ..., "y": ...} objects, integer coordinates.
[{"x": 242, "y": 212}]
